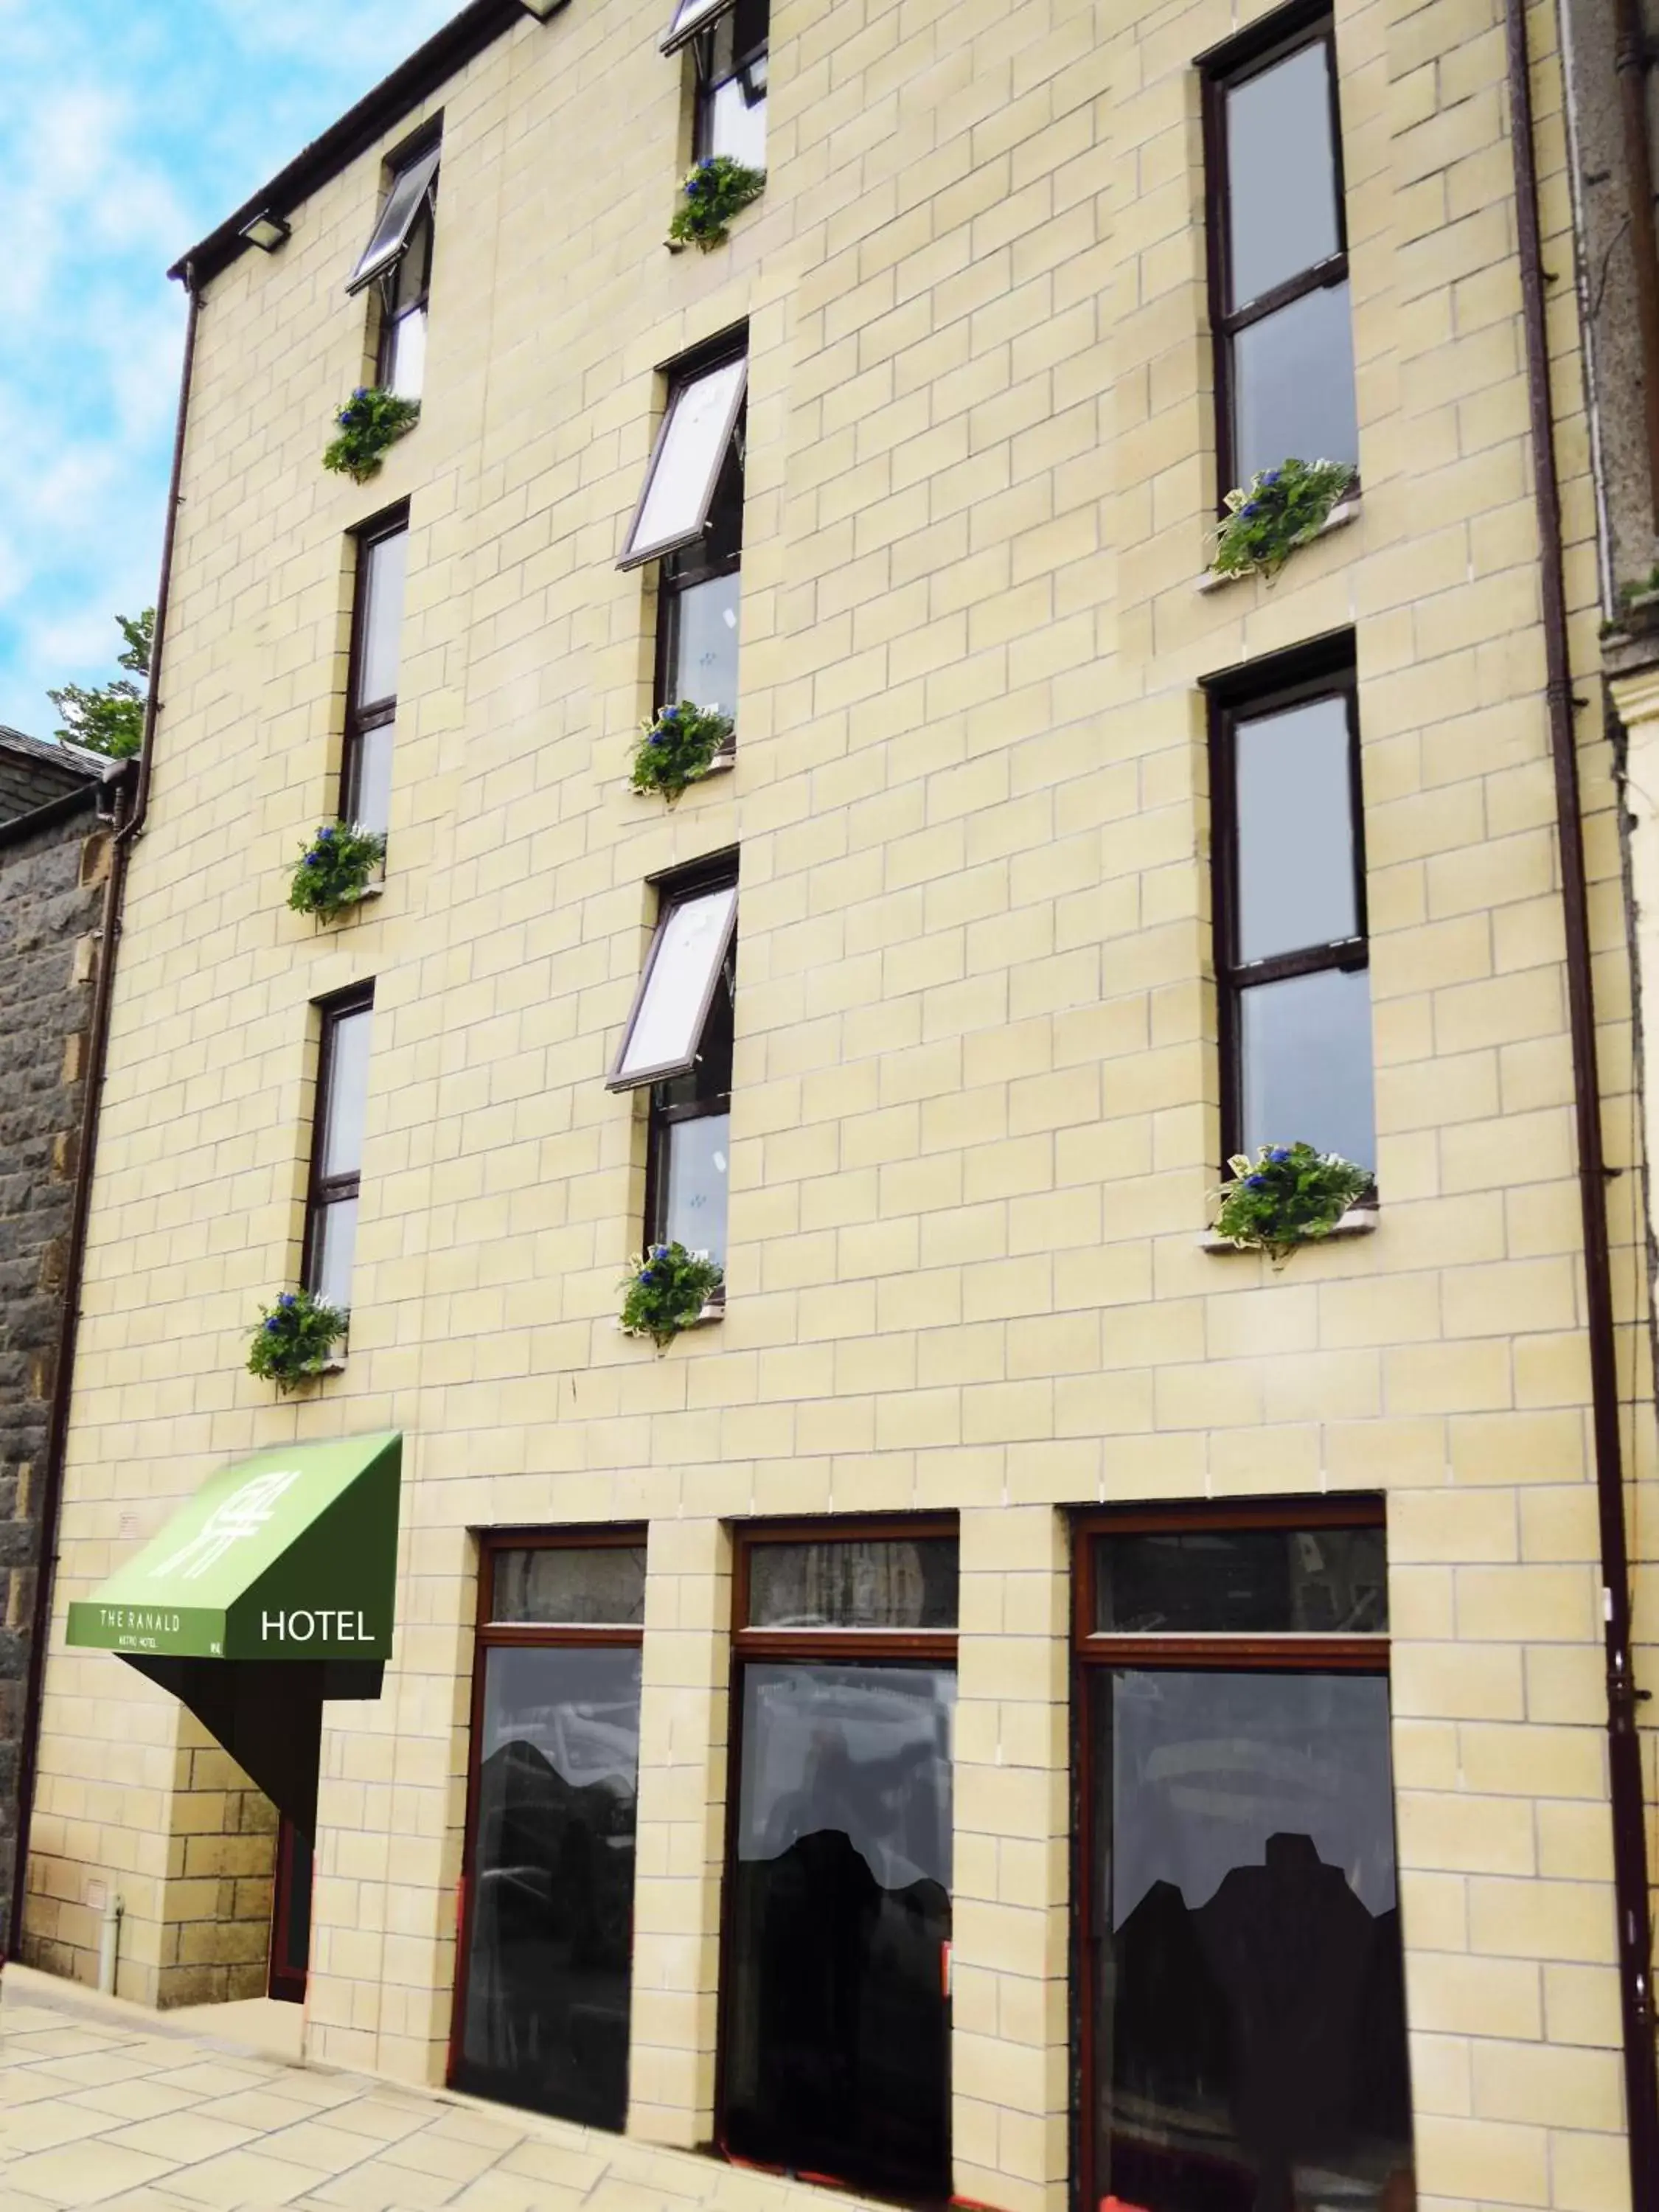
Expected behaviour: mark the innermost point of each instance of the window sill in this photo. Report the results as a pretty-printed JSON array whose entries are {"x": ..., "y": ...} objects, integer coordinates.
[
  {"x": 1358, "y": 1221},
  {"x": 715, "y": 1310},
  {"x": 1345, "y": 510},
  {"x": 336, "y": 1365}
]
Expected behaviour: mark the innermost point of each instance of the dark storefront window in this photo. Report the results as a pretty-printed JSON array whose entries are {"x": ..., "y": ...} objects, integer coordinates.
[
  {"x": 1243, "y": 2022},
  {"x": 547, "y": 1926},
  {"x": 836, "y": 2029}
]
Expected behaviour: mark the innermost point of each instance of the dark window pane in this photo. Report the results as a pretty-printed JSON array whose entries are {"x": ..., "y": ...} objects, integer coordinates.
[
  {"x": 1245, "y": 1976},
  {"x": 369, "y": 801},
  {"x": 1242, "y": 1582},
  {"x": 1281, "y": 175},
  {"x": 704, "y": 647},
  {"x": 346, "y": 1086},
  {"x": 382, "y": 568},
  {"x": 1293, "y": 377},
  {"x": 1295, "y": 827},
  {"x": 693, "y": 1205},
  {"x": 1306, "y": 1046},
  {"x": 545, "y": 2023},
  {"x": 900, "y": 1582},
  {"x": 593, "y": 1586},
  {"x": 837, "y": 2024}
]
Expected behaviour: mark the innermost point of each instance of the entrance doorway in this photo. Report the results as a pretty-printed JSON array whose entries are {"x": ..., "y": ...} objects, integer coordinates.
[{"x": 290, "y": 1914}]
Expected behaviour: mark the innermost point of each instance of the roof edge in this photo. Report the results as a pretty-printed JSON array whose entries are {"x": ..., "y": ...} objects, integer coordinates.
[{"x": 466, "y": 35}]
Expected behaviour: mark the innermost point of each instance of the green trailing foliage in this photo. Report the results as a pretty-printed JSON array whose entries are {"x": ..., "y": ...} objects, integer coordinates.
[
  {"x": 1281, "y": 509},
  {"x": 294, "y": 1340},
  {"x": 1290, "y": 1194},
  {"x": 667, "y": 1289},
  {"x": 676, "y": 747},
  {"x": 367, "y": 426},
  {"x": 334, "y": 870},
  {"x": 109, "y": 718},
  {"x": 714, "y": 189}
]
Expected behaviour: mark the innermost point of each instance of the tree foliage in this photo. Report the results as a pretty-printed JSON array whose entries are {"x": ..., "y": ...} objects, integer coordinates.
[{"x": 109, "y": 718}]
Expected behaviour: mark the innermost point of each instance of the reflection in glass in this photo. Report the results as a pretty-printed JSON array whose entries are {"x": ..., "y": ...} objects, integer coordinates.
[
  {"x": 1295, "y": 830},
  {"x": 1242, "y": 1582},
  {"x": 546, "y": 2014},
  {"x": 693, "y": 447},
  {"x": 1305, "y": 1045},
  {"x": 1293, "y": 381},
  {"x": 337, "y": 1243},
  {"x": 1249, "y": 2004},
  {"x": 692, "y": 941},
  {"x": 571, "y": 1585},
  {"x": 381, "y": 576},
  {"x": 346, "y": 1082},
  {"x": 703, "y": 652},
  {"x": 694, "y": 1209},
  {"x": 369, "y": 802},
  {"x": 901, "y": 1581},
  {"x": 406, "y": 354},
  {"x": 737, "y": 125},
  {"x": 837, "y": 2023},
  {"x": 1280, "y": 174}
]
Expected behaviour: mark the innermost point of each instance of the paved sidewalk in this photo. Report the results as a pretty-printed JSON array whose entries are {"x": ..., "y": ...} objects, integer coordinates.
[{"x": 104, "y": 2104}]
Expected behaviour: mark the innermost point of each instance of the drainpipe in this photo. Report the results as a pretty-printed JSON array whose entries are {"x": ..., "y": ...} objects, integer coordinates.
[
  {"x": 132, "y": 805},
  {"x": 1631, "y": 64},
  {"x": 1629, "y": 1872},
  {"x": 109, "y": 1945}
]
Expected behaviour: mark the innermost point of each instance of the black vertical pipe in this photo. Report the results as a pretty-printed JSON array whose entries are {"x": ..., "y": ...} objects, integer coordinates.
[{"x": 1630, "y": 1871}]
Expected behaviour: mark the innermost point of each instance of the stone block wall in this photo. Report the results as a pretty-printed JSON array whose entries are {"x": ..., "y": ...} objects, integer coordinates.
[{"x": 50, "y": 892}]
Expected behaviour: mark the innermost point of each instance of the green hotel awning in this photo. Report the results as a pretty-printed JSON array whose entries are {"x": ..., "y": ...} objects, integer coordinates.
[
  {"x": 290, "y": 1555},
  {"x": 269, "y": 1592}
]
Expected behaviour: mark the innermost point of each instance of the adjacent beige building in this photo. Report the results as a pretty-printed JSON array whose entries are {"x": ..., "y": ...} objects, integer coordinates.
[{"x": 1049, "y": 893}]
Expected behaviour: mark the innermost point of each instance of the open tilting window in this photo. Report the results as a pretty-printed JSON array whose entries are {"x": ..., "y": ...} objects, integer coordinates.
[
  {"x": 547, "y": 1937},
  {"x": 836, "y": 1987},
  {"x": 1292, "y": 956},
  {"x": 678, "y": 1041},
  {"x": 372, "y": 680},
  {"x": 729, "y": 43},
  {"x": 1278, "y": 258},
  {"x": 337, "y": 1147},
  {"x": 1241, "y": 2025},
  {"x": 398, "y": 260},
  {"x": 691, "y": 518}
]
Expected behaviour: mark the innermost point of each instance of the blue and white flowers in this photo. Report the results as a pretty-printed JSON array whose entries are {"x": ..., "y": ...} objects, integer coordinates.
[
  {"x": 371, "y": 422},
  {"x": 667, "y": 1289},
  {"x": 713, "y": 190},
  {"x": 293, "y": 1338},
  {"x": 1288, "y": 1195},
  {"x": 1281, "y": 509},
  {"x": 335, "y": 869},
  {"x": 676, "y": 747}
]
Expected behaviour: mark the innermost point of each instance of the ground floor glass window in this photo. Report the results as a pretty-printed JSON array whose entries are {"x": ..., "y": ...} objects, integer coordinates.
[
  {"x": 543, "y": 2012},
  {"x": 836, "y": 2050},
  {"x": 1242, "y": 2027}
]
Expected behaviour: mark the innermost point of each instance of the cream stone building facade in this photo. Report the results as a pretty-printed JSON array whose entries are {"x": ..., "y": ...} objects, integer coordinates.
[{"x": 977, "y": 1086}]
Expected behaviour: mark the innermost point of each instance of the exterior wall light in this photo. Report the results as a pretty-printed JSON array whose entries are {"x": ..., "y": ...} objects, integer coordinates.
[
  {"x": 541, "y": 10},
  {"x": 266, "y": 231}
]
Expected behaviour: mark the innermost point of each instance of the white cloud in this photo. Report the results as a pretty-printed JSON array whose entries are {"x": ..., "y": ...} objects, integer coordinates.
[{"x": 127, "y": 132}]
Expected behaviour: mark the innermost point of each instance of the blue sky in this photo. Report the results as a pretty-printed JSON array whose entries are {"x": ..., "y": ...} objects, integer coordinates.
[{"x": 127, "y": 128}]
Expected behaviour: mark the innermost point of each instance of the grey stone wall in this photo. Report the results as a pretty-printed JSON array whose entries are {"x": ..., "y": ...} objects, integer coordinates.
[
  {"x": 51, "y": 903},
  {"x": 33, "y": 773}
]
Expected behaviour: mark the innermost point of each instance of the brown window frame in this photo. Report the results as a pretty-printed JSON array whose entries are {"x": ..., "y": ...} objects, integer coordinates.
[
  {"x": 418, "y": 252},
  {"x": 1324, "y": 669},
  {"x": 721, "y": 527},
  {"x": 489, "y": 1635},
  {"x": 1288, "y": 1653},
  {"x": 374, "y": 713},
  {"x": 938, "y": 1645},
  {"x": 323, "y": 1191},
  {"x": 1278, "y": 36}
]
